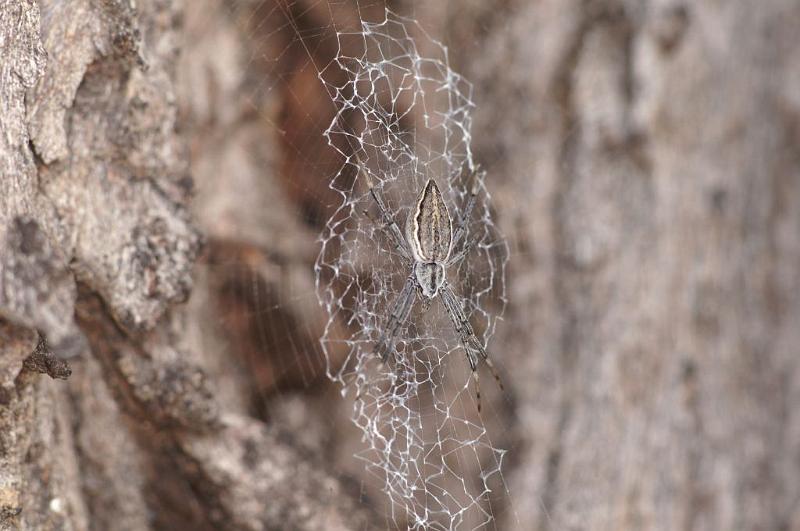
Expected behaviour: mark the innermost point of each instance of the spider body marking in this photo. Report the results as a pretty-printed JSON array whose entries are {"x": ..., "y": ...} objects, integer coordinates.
[{"x": 428, "y": 244}]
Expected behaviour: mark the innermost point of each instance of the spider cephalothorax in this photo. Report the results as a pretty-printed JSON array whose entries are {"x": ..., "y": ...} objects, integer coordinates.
[{"x": 428, "y": 244}]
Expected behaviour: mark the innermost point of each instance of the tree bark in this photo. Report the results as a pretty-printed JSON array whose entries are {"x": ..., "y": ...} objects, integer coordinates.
[
  {"x": 96, "y": 247},
  {"x": 654, "y": 275},
  {"x": 643, "y": 161}
]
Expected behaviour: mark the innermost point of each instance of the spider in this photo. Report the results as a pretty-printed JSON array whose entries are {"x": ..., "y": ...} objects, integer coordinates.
[{"x": 428, "y": 246}]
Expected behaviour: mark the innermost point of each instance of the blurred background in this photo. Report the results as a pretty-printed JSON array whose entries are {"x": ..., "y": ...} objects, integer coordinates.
[{"x": 165, "y": 185}]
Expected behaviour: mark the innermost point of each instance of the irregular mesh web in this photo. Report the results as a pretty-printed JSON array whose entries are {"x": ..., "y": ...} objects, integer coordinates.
[{"x": 407, "y": 116}]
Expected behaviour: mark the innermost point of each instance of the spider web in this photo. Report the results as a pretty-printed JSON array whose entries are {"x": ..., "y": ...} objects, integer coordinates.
[{"x": 405, "y": 116}]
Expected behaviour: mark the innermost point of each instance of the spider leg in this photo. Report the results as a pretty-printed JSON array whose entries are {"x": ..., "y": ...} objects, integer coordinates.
[
  {"x": 461, "y": 228},
  {"x": 472, "y": 345},
  {"x": 388, "y": 221},
  {"x": 401, "y": 309},
  {"x": 456, "y": 258}
]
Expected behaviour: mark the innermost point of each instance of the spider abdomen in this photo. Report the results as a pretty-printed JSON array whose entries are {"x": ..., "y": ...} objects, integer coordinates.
[
  {"x": 430, "y": 277},
  {"x": 429, "y": 230}
]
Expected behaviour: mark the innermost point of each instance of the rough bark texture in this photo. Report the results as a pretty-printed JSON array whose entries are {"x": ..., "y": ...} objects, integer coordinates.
[
  {"x": 644, "y": 159},
  {"x": 96, "y": 246}
]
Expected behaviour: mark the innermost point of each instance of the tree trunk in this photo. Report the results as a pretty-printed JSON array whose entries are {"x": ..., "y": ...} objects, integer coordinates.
[
  {"x": 96, "y": 247},
  {"x": 644, "y": 160},
  {"x": 654, "y": 318}
]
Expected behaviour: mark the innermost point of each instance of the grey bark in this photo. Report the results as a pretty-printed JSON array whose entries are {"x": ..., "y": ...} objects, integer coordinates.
[{"x": 96, "y": 247}]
